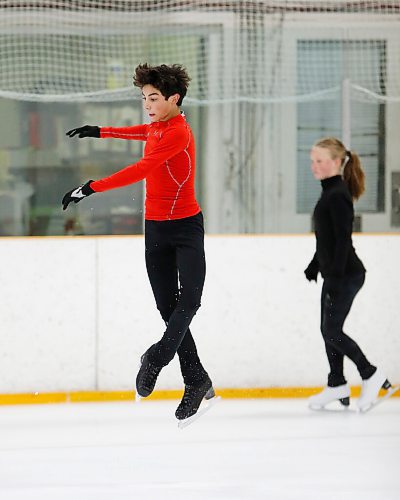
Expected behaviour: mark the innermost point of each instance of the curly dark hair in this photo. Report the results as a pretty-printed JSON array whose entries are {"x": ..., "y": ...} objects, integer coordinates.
[{"x": 169, "y": 80}]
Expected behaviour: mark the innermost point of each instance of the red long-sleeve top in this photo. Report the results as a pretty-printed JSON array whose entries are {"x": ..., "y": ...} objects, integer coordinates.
[{"x": 168, "y": 165}]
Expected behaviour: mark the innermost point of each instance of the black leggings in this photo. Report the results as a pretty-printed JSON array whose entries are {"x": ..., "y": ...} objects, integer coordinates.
[
  {"x": 176, "y": 268},
  {"x": 334, "y": 311}
]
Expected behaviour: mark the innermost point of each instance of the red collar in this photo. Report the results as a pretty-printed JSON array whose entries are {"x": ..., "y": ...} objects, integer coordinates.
[{"x": 171, "y": 121}]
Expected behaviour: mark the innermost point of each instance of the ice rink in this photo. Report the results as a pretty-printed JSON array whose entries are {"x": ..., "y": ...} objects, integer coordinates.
[{"x": 241, "y": 449}]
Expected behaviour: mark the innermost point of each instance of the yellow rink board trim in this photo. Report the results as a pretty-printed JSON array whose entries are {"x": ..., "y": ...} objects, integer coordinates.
[{"x": 98, "y": 396}]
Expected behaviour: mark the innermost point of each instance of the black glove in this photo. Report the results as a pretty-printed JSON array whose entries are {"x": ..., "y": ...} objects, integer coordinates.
[
  {"x": 85, "y": 131},
  {"x": 312, "y": 271},
  {"x": 77, "y": 194}
]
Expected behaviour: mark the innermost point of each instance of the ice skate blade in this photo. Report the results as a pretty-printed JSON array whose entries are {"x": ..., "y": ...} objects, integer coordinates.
[
  {"x": 392, "y": 390},
  {"x": 342, "y": 409},
  {"x": 138, "y": 397},
  {"x": 187, "y": 421},
  {"x": 210, "y": 393},
  {"x": 344, "y": 405}
]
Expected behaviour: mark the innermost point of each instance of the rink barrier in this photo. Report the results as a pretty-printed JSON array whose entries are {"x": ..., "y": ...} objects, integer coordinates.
[
  {"x": 44, "y": 351},
  {"x": 162, "y": 395}
]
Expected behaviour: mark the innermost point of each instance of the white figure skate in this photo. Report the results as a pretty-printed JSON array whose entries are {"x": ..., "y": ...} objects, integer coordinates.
[
  {"x": 370, "y": 388},
  {"x": 328, "y": 395}
]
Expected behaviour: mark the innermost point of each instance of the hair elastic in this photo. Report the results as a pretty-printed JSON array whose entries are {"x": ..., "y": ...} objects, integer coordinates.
[{"x": 347, "y": 158}]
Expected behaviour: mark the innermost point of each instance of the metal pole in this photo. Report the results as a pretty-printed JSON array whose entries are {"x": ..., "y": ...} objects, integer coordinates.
[{"x": 346, "y": 112}]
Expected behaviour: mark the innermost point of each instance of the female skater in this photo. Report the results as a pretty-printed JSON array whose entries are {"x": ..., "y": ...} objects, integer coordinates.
[
  {"x": 342, "y": 180},
  {"x": 174, "y": 233}
]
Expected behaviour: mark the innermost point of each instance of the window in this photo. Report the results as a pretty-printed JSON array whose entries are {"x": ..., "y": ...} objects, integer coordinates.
[
  {"x": 39, "y": 164},
  {"x": 323, "y": 118}
]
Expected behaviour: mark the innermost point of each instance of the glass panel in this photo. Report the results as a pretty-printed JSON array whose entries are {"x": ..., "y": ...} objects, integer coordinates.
[
  {"x": 39, "y": 164},
  {"x": 323, "y": 118}
]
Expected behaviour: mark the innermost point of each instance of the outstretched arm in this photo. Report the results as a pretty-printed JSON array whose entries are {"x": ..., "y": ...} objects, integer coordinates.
[
  {"x": 172, "y": 142},
  {"x": 137, "y": 132}
]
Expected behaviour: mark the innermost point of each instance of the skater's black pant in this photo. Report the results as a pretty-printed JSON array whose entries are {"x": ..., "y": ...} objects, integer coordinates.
[
  {"x": 176, "y": 268},
  {"x": 334, "y": 310}
]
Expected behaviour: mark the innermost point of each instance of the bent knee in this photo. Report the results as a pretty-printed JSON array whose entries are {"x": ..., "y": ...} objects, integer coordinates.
[{"x": 331, "y": 335}]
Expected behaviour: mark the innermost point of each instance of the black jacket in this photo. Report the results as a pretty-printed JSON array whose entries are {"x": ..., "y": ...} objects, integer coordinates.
[{"x": 333, "y": 222}]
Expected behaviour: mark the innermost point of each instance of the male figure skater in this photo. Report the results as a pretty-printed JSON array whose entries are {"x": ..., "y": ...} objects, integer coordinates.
[{"x": 174, "y": 231}]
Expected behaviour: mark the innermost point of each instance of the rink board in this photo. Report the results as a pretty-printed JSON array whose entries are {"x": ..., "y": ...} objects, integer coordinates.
[{"x": 78, "y": 312}]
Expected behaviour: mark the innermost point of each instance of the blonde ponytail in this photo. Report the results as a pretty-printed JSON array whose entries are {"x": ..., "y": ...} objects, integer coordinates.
[{"x": 353, "y": 175}]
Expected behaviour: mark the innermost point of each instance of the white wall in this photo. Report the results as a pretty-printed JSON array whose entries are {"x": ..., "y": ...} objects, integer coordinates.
[{"x": 77, "y": 313}]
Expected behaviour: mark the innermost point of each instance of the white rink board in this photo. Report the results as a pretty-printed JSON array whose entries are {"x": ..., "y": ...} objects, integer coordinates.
[
  {"x": 77, "y": 313},
  {"x": 47, "y": 313}
]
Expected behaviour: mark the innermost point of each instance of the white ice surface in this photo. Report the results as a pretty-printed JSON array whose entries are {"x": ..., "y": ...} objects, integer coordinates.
[{"x": 244, "y": 449}]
